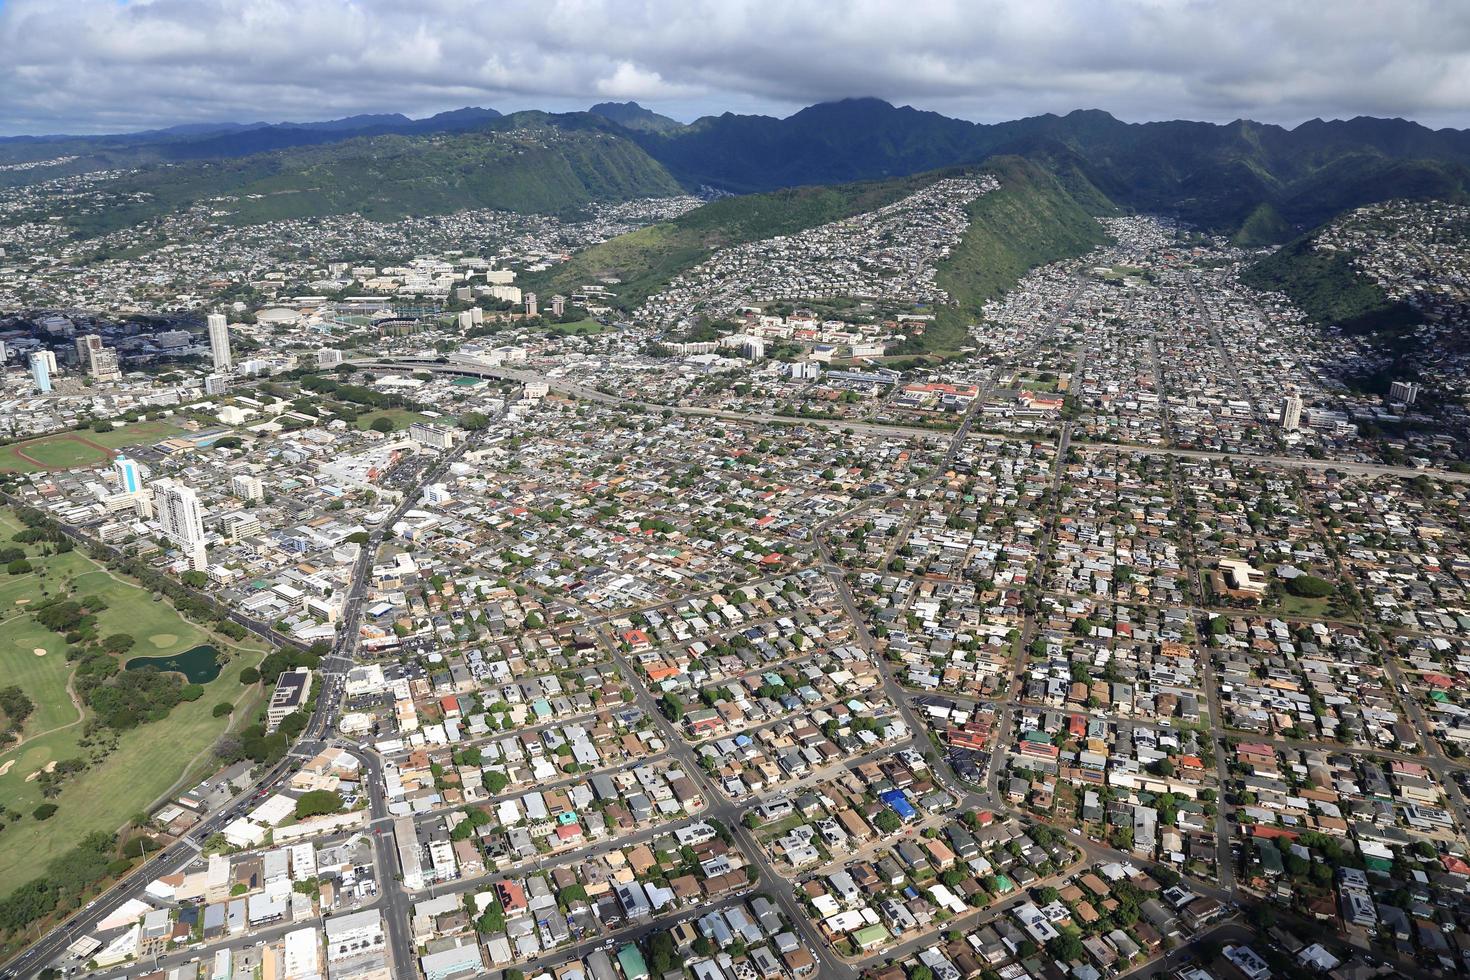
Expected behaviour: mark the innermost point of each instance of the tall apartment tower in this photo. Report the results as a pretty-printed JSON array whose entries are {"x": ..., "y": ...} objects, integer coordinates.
[
  {"x": 129, "y": 479},
  {"x": 182, "y": 519},
  {"x": 100, "y": 362},
  {"x": 247, "y": 487},
  {"x": 1403, "y": 392},
  {"x": 43, "y": 363},
  {"x": 530, "y": 304},
  {"x": 1291, "y": 413},
  {"x": 219, "y": 341}
]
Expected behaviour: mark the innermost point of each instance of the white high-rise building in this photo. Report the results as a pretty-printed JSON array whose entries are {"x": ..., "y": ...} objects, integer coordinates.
[
  {"x": 182, "y": 519},
  {"x": 219, "y": 341},
  {"x": 4, "y": 353},
  {"x": 530, "y": 304},
  {"x": 328, "y": 357},
  {"x": 100, "y": 362},
  {"x": 1403, "y": 392},
  {"x": 247, "y": 487},
  {"x": 43, "y": 363},
  {"x": 129, "y": 477},
  {"x": 1291, "y": 413},
  {"x": 302, "y": 955}
]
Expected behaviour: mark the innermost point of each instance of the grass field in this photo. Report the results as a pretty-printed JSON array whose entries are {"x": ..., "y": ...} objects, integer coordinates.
[
  {"x": 581, "y": 328},
  {"x": 401, "y": 418},
  {"x": 70, "y": 450},
  {"x": 147, "y": 760}
]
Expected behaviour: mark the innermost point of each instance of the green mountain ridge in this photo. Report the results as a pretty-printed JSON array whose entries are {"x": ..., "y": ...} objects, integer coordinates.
[
  {"x": 1215, "y": 176},
  {"x": 1257, "y": 182},
  {"x": 1031, "y": 220},
  {"x": 528, "y": 162},
  {"x": 1330, "y": 290},
  {"x": 646, "y": 259}
]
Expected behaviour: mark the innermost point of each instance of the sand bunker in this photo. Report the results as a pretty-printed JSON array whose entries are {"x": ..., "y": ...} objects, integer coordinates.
[
  {"x": 6, "y": 767},
  {"x": 50, "y": 767},
  {"x": 40, "y": 651}
]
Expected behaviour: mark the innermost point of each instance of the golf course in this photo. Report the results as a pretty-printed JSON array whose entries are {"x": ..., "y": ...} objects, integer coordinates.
[{"x": 146, "y": 761}]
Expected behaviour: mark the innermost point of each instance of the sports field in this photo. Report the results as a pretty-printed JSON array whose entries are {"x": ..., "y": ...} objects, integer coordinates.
[
  {"x": 147, "y": 761},
  {"x": 83, "y": 448},
  {"x": 401, "y": 418}
]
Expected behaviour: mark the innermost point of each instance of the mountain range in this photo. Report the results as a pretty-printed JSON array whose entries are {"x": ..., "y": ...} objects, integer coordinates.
[{"x": 1261, "y": 183}]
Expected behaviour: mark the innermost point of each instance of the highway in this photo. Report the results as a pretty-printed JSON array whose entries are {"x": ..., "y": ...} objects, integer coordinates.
[{"x": 585, "y": 393}]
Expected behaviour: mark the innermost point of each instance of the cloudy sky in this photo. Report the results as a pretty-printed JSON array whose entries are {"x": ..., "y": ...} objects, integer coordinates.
[{"x": 117, "y": 65}]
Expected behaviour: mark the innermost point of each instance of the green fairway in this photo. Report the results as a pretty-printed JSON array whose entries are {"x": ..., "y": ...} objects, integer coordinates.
[
  {"x": 147, "y": 761},
  {"x": 42, "y": 678},
  {"x": 69, "y": 450}
]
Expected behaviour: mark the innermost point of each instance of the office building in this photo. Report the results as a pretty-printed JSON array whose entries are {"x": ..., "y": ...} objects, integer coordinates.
[
  {"x": 219, "y": 341},
  {"x": 43, "y": 365},
  {"x": 293, "y": 689},
  {"x": 355, "y": 935},
  {"x": 182, "y": 520},
  {"x": 1291, "y": 413}
]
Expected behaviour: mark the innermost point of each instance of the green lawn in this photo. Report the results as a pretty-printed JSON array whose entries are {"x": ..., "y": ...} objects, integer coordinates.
[
  {"x": 147, "y": 761},
  {"x": 69, "y": 450},
  {"x": 581, "y": 328},
  {"x": 401, "y": 418}
]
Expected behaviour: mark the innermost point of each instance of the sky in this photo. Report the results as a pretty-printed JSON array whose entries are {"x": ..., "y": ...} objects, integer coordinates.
[{"x": 93, "y": 66}]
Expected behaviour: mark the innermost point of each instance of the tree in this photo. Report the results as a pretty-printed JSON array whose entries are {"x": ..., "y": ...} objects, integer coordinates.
[
  {"x": 222, "y": 709},
  {"x": 45, "y": 811},
  {"x": 382, "y": 424},
  {"x": 1067, "y": 947},
  {"x": 194, "y": 579},
  {"x": 18, "y": 567},
  {"x": 1310, "y": 587},
  {"x": 887, "y": 821},
  {"x": 317, "y": 802},
  {"x": 118, "y": 643},
  {"x": 474, "y": 421},
  {"x": 250, "y": 676}
]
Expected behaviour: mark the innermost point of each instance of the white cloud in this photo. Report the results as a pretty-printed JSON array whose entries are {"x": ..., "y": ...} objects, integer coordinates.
[{"x": 100, "y": 65}]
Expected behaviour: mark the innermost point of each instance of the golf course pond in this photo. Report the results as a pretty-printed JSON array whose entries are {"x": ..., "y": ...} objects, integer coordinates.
[{"x": 199, "y": 665}]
